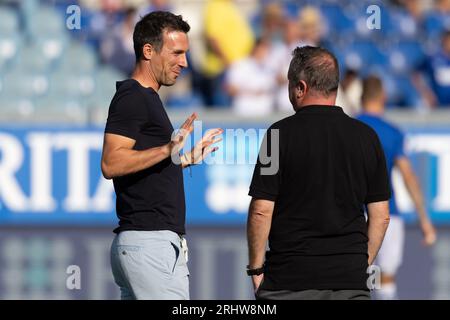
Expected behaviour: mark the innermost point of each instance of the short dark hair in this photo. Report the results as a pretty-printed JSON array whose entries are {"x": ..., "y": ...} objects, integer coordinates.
[
  {"x": 151, "y": 27},
  {"x": 372, "y": 88},
  {"x": 316, "y": 66}
]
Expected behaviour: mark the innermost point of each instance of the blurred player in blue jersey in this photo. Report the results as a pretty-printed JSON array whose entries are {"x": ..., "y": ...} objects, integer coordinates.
[{"x": 391, "y": 252}]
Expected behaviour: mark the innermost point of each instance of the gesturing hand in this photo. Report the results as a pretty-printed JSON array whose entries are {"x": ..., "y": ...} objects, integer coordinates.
[
  {"x": 204, "y": 147},
  {"x": 179, "y": 139}
]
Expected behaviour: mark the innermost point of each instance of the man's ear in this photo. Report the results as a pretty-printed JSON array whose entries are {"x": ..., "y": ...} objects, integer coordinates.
[
  {"x": 301, "y": 88},
  {"x": 147, "y": 51}
]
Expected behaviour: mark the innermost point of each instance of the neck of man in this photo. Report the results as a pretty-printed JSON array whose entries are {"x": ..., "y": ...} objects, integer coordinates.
[
  {"x": 373, "y": 107},
  {"x": 143, "y": 74},
  {"x": 314, "y": 99}
]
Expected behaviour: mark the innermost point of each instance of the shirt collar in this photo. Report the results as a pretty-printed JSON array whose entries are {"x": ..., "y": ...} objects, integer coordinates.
[{"x": 320, "y": 109}]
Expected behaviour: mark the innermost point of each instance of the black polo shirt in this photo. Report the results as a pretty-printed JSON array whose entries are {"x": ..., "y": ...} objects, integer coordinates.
[
  {"x": 330, "y": 166},
  {"x": 152, "y": 199}
]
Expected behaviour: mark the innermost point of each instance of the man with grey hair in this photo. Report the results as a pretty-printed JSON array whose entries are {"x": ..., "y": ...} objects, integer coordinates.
[{"x": 311, "y": 210}]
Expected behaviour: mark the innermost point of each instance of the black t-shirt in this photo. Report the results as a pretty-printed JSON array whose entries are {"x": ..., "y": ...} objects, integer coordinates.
[
  {"x": 152, "y": 199},
  {"x": 330, "y": 166}
]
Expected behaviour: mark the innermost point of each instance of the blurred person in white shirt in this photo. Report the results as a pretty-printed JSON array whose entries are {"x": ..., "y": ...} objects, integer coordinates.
[
  {"x": 251, "y": 83},
  {"x": 278, "y": 60},
  {"x": 306, "y": 29}
]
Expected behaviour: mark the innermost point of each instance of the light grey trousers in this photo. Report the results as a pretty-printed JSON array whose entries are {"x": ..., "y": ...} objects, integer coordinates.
[{"x": 150, "y": 265}]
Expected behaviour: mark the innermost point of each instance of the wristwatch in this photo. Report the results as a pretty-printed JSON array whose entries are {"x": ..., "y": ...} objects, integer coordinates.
[{"x": 255, "y": 272}]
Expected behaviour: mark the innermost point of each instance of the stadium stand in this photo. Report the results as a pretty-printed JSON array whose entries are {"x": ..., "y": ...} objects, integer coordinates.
[{"x": 42, "y": 62}]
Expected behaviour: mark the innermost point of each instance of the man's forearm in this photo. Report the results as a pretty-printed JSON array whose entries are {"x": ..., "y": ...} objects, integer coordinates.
[
  {"x": 378, "y": 222},
  {"x": 125, "y": 161},
  {"x": 258, "y": 228},
  {"x": 413, "y": 187},
  {"x": 376, "y": 231}
]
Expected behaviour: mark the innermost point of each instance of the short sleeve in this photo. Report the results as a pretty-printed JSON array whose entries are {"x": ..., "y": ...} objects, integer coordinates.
[
  {"x": 266, "y": 176},
  {"x": 399, "y": 145},
  {"x": 127, "y": 115},
  {"x": 378, "y": 184}
]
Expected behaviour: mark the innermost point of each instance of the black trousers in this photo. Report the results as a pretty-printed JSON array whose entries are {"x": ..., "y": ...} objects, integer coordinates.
[{"x": 313, "y": 295}]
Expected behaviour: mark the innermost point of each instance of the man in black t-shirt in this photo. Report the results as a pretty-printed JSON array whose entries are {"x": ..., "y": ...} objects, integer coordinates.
[
  {"x": 142, "y": 156},
  {"x": 315, "y": 173}
]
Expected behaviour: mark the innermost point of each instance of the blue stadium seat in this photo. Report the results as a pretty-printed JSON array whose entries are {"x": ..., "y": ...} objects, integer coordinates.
[
  {"x": 105, "y": 87},
  {"x": 402, "y": 26},
  {"x": 337, "y": 21},
  {"x": 45, "y": 21},
  {"x": 362, "y": 55},
  {"x": 31, "y": 59},
  {"x": 17, "y": 107},
  {"x": 79, "y": 58},
  {"x": 405, "y": 56},
  {"x": 190, "y": 100},
  {"x": 409, "y": 95},
  {"x": 400, "y": 92},
  {"x": 59, "y": 2},
  {"x": 9, "y": 22},
  {"x": 21, "y": 82},
  {"x": 393, "y": 94},
  {"x": 105, "y": 80},
  {"x": 52, "y": 47},
  {"x": 68, "y": 109},
  {"x": 9, "y": 48},
  {"x": 71, "y": 85},
  {"x": 436, "y": 23}
]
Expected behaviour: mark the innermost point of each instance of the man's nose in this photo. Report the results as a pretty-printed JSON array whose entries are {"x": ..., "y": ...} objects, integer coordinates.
[{"x": 183, "y": 61}]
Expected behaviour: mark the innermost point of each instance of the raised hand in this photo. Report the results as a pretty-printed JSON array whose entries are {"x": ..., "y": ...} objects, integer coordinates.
[
  {"x": 179, "y": 139},
  {"x": 204, "y": 147}
]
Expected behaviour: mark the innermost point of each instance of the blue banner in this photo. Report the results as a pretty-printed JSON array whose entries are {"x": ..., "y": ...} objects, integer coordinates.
[{"x": 52, "y": 176}]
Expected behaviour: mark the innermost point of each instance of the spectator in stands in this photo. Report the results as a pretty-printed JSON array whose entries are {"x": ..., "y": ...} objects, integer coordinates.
[
  {"x": 278, "y": 61},
  {"x": 98, "y": 18},
  {"x": 433, "y": 77},
  {"x": 306, "y": 30},
  {"x": 229, "y": 38},
  {"x": 153, "y": 5},
  {"x": 251, "y": 83},
  {"x": 311, "y": 26},
  {"x": 438, "y": 19},
  {"x": 408, "y": 18},
  {"x": 117, "y": 47},
  {"x": 271, "y": 26}
]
